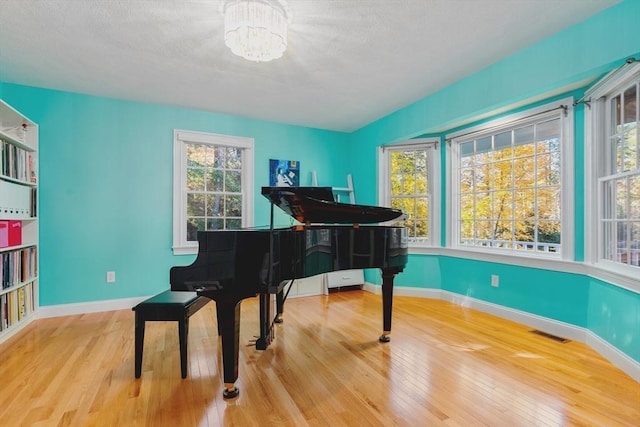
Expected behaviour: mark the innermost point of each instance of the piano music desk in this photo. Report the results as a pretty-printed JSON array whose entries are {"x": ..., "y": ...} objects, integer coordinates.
[{"x": 166, "y": 306}]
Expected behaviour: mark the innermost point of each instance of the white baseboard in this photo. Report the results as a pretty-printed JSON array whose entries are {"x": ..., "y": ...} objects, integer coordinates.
[
  {"x": 619, "y": 359},
  {"x": 613, "y": 355},
  {"x": 406, "y": 291},
  {"x": 88, "y": 307}
]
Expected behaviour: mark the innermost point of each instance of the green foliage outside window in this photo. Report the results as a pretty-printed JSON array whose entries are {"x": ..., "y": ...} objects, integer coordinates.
[
  {"x": 214, "y": 188},
  {"x": 410, "y": 189},
  {"x": 509, "y": 193}
]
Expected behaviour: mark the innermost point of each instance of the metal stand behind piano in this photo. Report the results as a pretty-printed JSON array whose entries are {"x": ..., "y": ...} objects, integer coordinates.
[{"x": 236, "y": 264}]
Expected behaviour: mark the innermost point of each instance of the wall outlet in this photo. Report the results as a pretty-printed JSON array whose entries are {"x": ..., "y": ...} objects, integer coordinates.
[
  {"x": 495, "y": 280},
  {"x": 111, "y": 276}
]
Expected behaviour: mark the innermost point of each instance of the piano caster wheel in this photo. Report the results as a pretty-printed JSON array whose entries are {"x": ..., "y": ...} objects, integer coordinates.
[
  {"x": 278, "y": 319},
  {"x": 230, "y": 393},
  {"x": 384, "y": 338}
]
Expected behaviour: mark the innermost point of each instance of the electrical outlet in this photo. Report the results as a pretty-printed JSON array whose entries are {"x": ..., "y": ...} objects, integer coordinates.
[
  {"x": 495, "y": 280},
  {"x": 111, "y": 276}
]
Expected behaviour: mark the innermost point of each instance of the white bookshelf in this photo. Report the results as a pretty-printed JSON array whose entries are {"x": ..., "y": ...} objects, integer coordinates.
[{"x": 18, "y": 221}]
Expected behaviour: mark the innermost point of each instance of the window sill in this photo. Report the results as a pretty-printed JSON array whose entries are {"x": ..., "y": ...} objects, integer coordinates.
[
  {"x": 549, "y": 262},
  {"x": 553, "y": 263},
  {"x": 185, "y": 250},
  {"x": 608, "y": 272}
]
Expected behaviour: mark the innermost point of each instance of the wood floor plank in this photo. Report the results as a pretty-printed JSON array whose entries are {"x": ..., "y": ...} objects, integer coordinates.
[{"x": 446, "y": 365}]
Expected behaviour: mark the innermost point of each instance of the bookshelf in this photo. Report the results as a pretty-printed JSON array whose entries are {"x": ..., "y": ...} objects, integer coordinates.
[{"x": 18, "y": 221}]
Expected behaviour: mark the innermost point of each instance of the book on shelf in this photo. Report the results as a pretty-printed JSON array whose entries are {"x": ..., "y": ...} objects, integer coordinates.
[
  {"x": 29, "y": 298},
  {"x": 17, "y": 162},
  {"x": 21, "y": 309},
  {"x": 34, "y": 202},
  {"x": 9, "y": 309},
  {"x": 17, "y": 267},
  {"x": 13, "y": 308},
  {"x": 4, "y": 314}
]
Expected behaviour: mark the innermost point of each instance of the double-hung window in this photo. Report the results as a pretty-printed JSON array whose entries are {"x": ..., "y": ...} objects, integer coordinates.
[
  {"x": 213, "y": 186},
  {"x": 613, "y": 172},
  {"x": 409, "y": 174},
  {"x": 511, "y": 184}
]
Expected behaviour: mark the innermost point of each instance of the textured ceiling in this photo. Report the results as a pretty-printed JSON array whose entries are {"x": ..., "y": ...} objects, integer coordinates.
[{"x": 349, "y": 62}]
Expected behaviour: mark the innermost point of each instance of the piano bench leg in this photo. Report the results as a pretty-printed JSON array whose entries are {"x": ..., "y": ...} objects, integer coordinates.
[
  {"x": 167, "y": 306},
  {"x": 183, "y": 334},
  {"x": 385, "y": 336},
  {"x": 139, "y": 345}
]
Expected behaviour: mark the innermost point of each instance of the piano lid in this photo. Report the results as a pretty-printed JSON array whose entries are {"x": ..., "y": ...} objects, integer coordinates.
[{"x": 316, "y": 205}]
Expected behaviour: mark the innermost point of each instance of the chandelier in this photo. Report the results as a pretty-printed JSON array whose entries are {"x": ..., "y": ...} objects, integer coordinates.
[{"x": 255, "y": 29}]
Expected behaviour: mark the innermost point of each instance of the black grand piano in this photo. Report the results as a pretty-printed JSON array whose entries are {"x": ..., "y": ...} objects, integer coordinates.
[{"x": 236, "y": 264}]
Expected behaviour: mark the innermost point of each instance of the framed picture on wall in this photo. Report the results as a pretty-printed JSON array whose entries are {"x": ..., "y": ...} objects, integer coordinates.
[{"x": 284, "y": 173}]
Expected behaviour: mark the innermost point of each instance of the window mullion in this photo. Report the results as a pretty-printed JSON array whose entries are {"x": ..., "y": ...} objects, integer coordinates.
[
  {"x": 541, "y": 142},
  {"x": 207, "y": 217}
]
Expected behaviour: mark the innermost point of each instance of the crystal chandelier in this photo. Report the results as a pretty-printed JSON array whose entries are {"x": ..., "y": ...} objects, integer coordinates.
[{"x": 255, "y": 29}]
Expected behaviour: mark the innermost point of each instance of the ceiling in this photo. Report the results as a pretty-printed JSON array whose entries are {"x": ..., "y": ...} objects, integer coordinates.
[{"x": 349, "y": 62}]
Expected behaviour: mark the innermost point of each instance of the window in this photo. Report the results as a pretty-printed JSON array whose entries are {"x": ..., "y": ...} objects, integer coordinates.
[
  {"x": 213, "y": 186},
  {"x": 410, "y": 175},
  {"x": 613, "y": 171},
  {"x": 511, "y": 184}
]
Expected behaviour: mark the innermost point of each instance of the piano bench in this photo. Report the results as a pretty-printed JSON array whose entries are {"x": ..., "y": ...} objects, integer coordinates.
[{"x": 166, "y": 306}]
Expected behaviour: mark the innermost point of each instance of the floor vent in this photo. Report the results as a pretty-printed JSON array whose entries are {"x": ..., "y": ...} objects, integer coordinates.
[{"x": 550, "y": 336}]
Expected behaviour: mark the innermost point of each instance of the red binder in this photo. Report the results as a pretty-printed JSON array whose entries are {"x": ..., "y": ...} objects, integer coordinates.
[{"x": 15, "y": 233}]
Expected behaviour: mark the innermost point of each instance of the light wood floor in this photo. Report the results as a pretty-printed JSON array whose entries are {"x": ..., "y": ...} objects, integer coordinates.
[{"x": 445, "y": 365}]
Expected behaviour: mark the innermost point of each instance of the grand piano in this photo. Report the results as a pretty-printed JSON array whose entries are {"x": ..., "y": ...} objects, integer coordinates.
[{"x": 236, "y": 264}]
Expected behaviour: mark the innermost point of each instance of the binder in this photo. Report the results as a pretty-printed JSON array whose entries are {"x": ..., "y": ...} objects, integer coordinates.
[
  {"x": 4, "y": 234},
  {"x": 15, "y": 233}
]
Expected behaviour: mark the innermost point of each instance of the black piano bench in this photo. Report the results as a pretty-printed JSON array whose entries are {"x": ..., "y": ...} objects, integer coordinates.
[{"x": 167, "y": 306}]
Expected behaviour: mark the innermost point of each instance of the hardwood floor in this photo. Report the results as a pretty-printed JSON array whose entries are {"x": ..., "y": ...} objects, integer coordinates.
[{"x": 445, "y": 365}]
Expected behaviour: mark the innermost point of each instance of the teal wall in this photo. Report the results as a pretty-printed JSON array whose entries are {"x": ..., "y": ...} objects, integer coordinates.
[
  {"x": 106, "y": 179},
  {"x": 106, "y": 186},
  {"x": 613, "y": 313},
  {"x": 557, "y": 65}
]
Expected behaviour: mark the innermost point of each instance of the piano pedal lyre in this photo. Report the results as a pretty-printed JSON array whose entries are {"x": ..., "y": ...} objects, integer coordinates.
[
  {"x": 230, "y": 391},
  {"x": 385, "y": 336}
]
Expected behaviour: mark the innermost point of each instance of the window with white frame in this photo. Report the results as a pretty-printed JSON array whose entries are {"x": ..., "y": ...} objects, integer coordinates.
[
  {"x": 613, "y": 171},
  {"x": 512, "y": 186},
  {"x": 213, "y": 186},
  {"x": 410, "y": 182}
]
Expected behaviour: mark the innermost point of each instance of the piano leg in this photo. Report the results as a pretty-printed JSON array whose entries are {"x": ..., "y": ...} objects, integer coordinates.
[
  {"x": 279, "y": 306},
  {"x": 387, "y": 302},
  {"x": 228, "y": 313},
  {"x": 266, "y": 322}
]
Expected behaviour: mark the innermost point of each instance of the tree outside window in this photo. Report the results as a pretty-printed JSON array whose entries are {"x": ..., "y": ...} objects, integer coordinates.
[
  {"x": 410, "y": 174},
  {"x": 213, "y": 186},
  {"x": 509, "y": 193}
]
